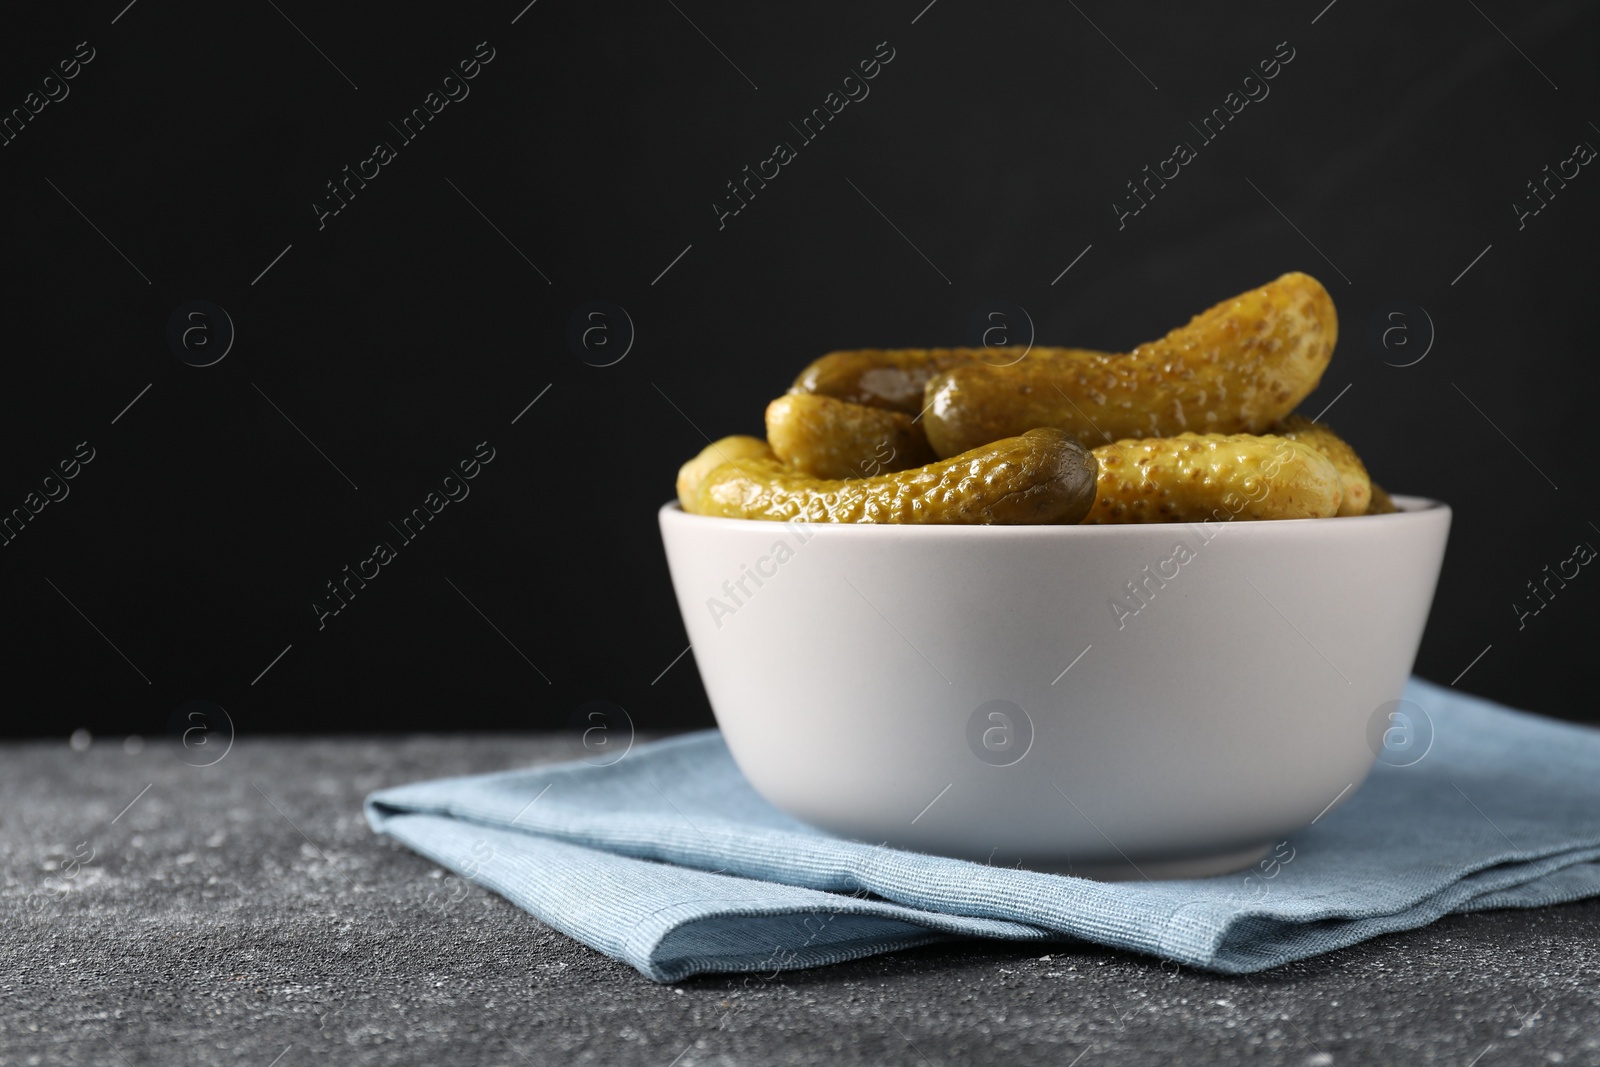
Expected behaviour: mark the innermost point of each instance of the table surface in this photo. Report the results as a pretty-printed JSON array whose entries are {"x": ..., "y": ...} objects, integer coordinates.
[{"x": 155, "y": 912}]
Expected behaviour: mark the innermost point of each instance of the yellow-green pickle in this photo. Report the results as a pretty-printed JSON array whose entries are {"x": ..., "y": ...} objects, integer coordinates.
[
  {"x": 1238, "y": 367},
  {"x": 1042, "y": 476},
  {"x": 833, "y": 438},
  {"x": 1194, "y": 477}
]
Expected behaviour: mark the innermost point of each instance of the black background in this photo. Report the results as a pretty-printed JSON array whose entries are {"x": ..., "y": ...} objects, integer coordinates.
[{"x": 415, "y": 323}]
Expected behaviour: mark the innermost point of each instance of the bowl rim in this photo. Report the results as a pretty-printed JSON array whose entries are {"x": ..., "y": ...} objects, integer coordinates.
[{"x": 1412, "y": 509}]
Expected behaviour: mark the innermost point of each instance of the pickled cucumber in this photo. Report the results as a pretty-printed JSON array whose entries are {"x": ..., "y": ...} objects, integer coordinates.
[
  {"x": 736, "y": 449},
  {"x": 1235, "y": 368},
  {"x": 1194, "y": 477},
  {"x": 831, "y": 438},
  {"x": 1042, "y": 476},
  {"x": 1357, "y": 483}
]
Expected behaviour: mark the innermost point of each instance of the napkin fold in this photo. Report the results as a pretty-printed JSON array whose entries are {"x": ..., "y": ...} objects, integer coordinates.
[{"x": 669, "y": 861}]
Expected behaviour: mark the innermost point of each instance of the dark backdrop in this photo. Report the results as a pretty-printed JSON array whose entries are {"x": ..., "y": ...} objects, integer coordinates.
[{"x": 385, "y": 342}]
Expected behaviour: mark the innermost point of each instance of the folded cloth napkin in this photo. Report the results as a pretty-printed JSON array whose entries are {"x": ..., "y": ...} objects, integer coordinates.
[{"x": 669, "y": 861}]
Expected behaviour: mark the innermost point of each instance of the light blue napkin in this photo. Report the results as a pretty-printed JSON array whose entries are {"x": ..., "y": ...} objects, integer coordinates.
[{"x": 669, "y": 861}]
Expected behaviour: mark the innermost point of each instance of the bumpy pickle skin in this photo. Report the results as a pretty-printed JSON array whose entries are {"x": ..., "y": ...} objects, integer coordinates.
[
  {"x": 1224, "y": 477},
  {"x": 1237, "y": 367},
  {"x": 1352, "y": 472},
  {"x": 890, "y": 378},
  {"x": 1043, "y": 476},
  {"x": 829, "y": 438},
  {"x": 736, "y": 449}
]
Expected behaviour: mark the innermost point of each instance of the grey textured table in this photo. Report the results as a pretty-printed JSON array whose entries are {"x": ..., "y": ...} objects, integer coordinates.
[{"x": 243, "y": 913}]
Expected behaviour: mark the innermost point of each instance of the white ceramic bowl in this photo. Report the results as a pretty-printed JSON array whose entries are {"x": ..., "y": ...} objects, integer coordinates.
[{"x": 1114, "y": 701}]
